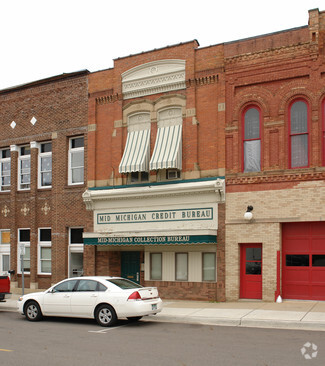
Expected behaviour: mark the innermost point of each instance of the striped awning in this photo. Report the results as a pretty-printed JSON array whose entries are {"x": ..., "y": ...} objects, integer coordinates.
[
  {"x": 168, "y": 148},
  {"x": 136, "y": 153}
]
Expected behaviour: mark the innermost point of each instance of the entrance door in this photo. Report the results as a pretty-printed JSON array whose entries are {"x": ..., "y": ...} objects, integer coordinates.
[
  {"x": 251, "y": 271},
  {"x": 130, "y": 266}
]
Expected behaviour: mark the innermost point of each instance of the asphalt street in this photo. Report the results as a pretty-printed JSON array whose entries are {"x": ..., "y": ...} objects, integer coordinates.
[{"x": 59, "y": 341}]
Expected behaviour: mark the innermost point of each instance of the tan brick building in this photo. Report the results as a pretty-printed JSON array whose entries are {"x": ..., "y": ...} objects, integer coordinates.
[
  {"x": 43, "y": 148},
  {"x": 156, "y": 165},
  {"x": 275, "y": 108}
]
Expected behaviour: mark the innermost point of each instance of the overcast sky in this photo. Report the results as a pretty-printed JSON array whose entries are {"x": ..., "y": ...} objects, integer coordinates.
[{"x": 43, "y": 38}]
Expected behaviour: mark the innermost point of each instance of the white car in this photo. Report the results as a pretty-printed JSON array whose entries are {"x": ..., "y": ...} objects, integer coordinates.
[{"x": 104, "y": 298}]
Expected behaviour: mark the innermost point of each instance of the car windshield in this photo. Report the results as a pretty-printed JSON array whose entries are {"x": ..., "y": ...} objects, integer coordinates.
[{"x": 123, "y": 283}]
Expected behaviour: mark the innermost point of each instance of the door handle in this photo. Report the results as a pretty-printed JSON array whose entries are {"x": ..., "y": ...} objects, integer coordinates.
[
  {"x": 66, "y": 296},
  {"x": 138, "y": 276}
]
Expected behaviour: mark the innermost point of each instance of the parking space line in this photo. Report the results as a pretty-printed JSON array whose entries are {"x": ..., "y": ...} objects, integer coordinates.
[{"x": 106, "y": 330}]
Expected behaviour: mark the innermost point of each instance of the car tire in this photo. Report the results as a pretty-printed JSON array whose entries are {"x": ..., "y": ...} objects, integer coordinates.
[
  {"x": 134, "y": 318},
  {"x": 105, "y": 315},
  {"x": 33, "y": 311}
]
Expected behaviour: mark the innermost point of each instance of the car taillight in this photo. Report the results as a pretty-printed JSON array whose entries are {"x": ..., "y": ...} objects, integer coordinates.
[{"x": 134, "y": 296}]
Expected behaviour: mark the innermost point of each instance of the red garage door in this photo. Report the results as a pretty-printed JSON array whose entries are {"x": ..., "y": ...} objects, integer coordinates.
[{"x": 303, "y": 261}]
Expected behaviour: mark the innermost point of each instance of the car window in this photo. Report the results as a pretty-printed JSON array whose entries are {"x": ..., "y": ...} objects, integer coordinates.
[
  {"x": 101, "y": 287},
  {"x": 123, "y": 283},
  {"x": 87, "y": 285},
  {"x": 66, "y": 286}
]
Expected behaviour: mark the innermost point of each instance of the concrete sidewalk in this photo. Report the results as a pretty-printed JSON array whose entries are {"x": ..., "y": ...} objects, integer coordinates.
[{"x": 304, "y": 315}]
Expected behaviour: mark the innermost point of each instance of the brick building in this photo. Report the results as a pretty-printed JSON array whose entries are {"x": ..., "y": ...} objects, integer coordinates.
[
  {"x": 43, "y": 143},
  {"x": 162, "y": 134},
  {"x": 275, "y": 108},
  {"x": 156, "y": 165}
]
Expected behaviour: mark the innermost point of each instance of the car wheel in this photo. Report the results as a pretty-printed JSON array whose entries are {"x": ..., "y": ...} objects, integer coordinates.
[
  {"x": 105, "y": 315},
  {"x": 33, "y": 311},
  {"x": 134, "y": 318}
]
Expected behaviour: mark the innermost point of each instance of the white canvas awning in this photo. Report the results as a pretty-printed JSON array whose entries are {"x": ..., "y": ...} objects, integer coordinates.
[
  {"x": 168, "y": 148},
  {"x": 136, "y": 153}
]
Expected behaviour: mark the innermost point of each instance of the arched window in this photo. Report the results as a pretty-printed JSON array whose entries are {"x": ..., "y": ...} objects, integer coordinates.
[
  {"x": 252, "y": 139},
  {"x": 298, "y": 135}
]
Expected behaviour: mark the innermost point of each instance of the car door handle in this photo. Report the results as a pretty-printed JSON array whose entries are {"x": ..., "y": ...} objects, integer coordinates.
[
  {"x": 93, "y": 295},
  {"x": 66, "y": 296}
]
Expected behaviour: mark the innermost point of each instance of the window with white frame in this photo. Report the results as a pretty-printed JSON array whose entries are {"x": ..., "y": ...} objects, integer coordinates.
[
  {"x": 76, "y": 160},
  {"x": 45, "y": 165},
  {"x": 76, "y": 248},
  {"x": 181, "y": 261},
  {"x": 209, "y": 266},
  {"x": 5, "y": 170},
  {"x": 155, "y": 266},
  {"x": 4, "y": 251},
  {"x": 24, "y": 249},
  {"x": 44, "y": 251},
  {"x": 24, "y": 168}
]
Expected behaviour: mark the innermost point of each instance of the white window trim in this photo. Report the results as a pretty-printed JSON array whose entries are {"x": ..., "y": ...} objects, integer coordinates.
[
  {"x": 74, "y": 247},
  {"x": 4, "y": 160},
  {"x": 72, "y": 151},
  {"x": 27, "y": 245},
  {"x": 40, "y": 156},
  {"x": 43, "y": 244},
  {"x": 20, "y": 159}
]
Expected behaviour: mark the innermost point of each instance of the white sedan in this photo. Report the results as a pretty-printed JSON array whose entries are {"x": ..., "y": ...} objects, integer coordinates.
[{"x": 104, "y": 298}]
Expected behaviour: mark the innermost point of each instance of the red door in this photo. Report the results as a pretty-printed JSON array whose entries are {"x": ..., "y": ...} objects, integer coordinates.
[
  {"x": 251, "y": 271},
  {"x": 303, "y": 261}
]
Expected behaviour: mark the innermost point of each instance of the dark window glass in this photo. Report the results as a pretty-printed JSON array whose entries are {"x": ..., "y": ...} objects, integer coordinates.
[
  {"x": 76, "y": 236},
  {"x": 45, "y": 234},
  {"x": 77, "y": 142},
  {"x": 318, "y": 260},
  {"x": 123, "y": 283},
  {"x": 299, "y": 118},
  {"x": 47, "y": 147},
  {"x": 101, "y": 287},
  {"x": 87, "y": 285},
  {"x": 5, "y": 153},
  {"x": 66, "y": 286},
  {"x": 139, "y": 177},
  {"x": 254, "y": 254},
  {"x": 24, "y": 235},
  {"x": 252, "y": 124},
  {"x": 25, "y": 150},
  {"x": 297, "y": 260},
  {"x": 253, "y": 268}
]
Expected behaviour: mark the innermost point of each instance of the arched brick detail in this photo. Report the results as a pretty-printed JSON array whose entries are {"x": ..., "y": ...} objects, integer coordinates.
[
  {"x": 290, "y": 92},
  {"x": 258, "y": 96}
]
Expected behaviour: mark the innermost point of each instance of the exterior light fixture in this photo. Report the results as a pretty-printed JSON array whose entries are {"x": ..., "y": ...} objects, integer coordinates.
[{"x": 248, "y": 214}]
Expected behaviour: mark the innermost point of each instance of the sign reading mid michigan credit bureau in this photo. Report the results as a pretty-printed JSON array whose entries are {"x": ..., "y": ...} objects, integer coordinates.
[{"x": 155, "y": 216}]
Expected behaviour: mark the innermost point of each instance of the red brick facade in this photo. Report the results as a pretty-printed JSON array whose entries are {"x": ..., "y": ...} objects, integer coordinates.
[
  {"x": 203, "y": 153},
  {"x": 59, "y": 105}
]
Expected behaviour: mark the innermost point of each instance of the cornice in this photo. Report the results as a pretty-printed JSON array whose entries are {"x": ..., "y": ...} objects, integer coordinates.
[
  {"x": 111, "y": 98},
  {"x": 217, "y": 187},
  {"x": 267, "y": 53}
]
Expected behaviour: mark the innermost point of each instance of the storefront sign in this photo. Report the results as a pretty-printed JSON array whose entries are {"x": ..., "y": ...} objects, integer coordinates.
[
  {"x": 155, "y": 216},
  {"x": 151, "y": 240}
]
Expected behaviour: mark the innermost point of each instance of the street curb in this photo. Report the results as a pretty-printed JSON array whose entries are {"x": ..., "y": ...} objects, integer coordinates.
[{"x": 244, "y": 323}]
